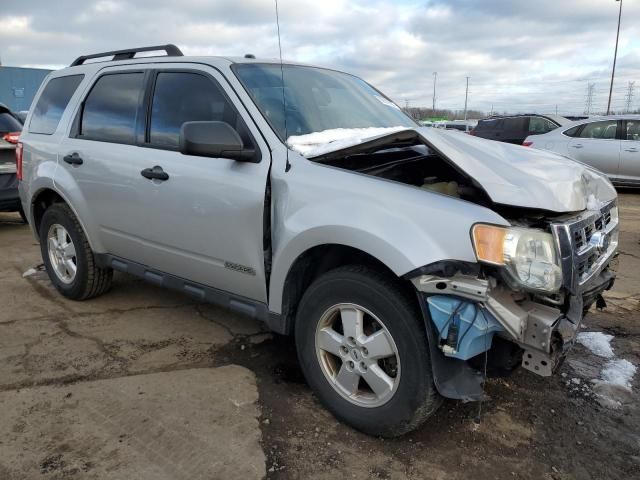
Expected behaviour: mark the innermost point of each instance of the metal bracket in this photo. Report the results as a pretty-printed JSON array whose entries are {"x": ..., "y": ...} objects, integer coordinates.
[
  {"x": 540, "y": 325},
  {"x": 464, "y": 286},
  {"x": 539, "y": 363}
]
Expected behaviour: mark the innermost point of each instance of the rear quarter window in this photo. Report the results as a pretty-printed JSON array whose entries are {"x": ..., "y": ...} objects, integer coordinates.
[
  {"x": 52, "y": 103},
  {"x": 572, "y": 132}
]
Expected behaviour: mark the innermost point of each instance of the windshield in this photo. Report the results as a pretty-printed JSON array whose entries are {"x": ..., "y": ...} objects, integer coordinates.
[{"x": 317, "y": 99}]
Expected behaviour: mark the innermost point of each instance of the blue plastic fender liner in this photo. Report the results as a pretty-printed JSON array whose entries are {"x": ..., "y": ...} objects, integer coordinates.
[{"x": 465, "y": 329}]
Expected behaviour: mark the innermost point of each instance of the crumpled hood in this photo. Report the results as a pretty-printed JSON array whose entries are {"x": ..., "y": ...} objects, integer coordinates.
[
  {"x": 509, "y": 174},
  {"x": 522, "y": 176}
]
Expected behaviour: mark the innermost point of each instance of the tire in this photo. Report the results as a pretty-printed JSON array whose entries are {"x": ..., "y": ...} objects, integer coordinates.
[
  {"x": 413, "y": 398},
  {"x": 89, "y": 280}
]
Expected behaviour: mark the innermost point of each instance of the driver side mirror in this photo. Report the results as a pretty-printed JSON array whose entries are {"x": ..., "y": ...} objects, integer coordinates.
[{"x": 214, "y": 139}]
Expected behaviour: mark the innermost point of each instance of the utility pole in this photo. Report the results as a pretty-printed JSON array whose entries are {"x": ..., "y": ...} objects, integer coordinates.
[
  {"x": 589, "y": 102},
  {"x": 435, "y": 77},
  {"x": 630, "y": 88},
  {"x": 615, "y": 55},
  {"x": 466, "y": 96},
  {"x": 556, "y": 109}
]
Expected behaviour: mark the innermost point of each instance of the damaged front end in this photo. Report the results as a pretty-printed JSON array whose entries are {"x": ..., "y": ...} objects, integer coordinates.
[
  {"x": 468, "y": 308},
  {"x": 522, "y": 303}
]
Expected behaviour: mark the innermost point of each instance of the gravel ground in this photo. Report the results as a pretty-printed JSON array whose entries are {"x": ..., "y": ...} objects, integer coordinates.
[{"x": 570, "y": 426}]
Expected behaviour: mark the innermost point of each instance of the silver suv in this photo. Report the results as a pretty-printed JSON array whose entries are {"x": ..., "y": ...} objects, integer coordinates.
[{"x": 404, "y": 260}]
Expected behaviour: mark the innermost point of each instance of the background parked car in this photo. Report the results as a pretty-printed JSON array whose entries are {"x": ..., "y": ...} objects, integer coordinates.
[
  {"x": 610, "y": 144},
  {"x": 515, "y": 128},
  {"x": 461, "y": 125},
  {"x": 21, "y": 115},
  {"x": 10, "y": 128}
]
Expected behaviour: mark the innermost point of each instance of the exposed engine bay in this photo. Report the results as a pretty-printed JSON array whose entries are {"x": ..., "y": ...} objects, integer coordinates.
[{"x": 418, "y": 166}]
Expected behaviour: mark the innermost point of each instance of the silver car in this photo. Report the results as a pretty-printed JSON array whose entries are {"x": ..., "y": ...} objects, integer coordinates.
[
  {"x": 406, "y": 262},
  {"x": 610, "y": 143}
]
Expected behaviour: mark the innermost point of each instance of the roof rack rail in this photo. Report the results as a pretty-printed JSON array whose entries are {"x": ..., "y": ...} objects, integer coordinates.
[{"x": 172, "y": 51}]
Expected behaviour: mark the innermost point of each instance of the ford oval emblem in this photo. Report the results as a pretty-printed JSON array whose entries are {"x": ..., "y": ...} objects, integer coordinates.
[{"x": 600, "y": 241}]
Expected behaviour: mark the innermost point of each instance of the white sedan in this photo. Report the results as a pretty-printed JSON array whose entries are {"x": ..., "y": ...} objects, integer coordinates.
[{"x": 611, "y": 144}]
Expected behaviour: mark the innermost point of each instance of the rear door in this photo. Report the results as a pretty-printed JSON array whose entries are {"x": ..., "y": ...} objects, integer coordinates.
[
  {"x": 204, "y": 222},
  {"x": 630, "y": 152},
  {"x": 597, "y": 145}
]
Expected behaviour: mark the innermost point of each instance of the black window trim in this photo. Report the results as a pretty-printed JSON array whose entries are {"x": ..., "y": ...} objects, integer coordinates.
[
  {"x": 28, "y": 127},
  {"x": 77, "y": 121},
  {"x": 143, "y": 116}
]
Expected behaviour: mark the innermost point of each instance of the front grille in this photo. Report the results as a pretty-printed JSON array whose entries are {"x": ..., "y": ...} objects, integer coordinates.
[{"x": 583, "y": 254}]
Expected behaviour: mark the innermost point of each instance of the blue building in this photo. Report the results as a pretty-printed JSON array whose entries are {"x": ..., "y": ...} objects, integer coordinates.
[{"x": 19, "y": 85}]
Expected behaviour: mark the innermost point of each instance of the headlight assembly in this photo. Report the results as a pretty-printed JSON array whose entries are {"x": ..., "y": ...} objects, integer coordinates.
[{"x": 528, "y": 255}]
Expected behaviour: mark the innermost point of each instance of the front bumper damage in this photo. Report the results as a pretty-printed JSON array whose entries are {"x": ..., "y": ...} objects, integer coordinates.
[{"x": 545, "y": 327}]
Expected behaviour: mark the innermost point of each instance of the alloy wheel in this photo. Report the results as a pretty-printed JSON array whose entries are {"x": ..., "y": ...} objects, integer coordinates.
[{"x": 357, "y": 355}]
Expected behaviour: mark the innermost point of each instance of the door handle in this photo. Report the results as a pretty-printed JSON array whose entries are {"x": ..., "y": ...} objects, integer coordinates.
[
  {"x": 155, "y": 173},
  {"x": 73, "y": 159},
  {"x": 632, "y": 149},
  {"x": 577, "y": 145}
]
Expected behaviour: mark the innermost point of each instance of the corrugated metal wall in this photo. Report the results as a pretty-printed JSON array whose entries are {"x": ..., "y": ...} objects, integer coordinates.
[{"x": 19, "y": 85}]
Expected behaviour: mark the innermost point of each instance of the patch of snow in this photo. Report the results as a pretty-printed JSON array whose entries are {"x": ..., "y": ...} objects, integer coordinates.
[
  {"x": 593, "y": 203},
  {"x": 597, "y": 342},
  {"x": 317, "y": 143},
  {"x": 29, "y": 272},
  {"x": 618, "y": 372}
]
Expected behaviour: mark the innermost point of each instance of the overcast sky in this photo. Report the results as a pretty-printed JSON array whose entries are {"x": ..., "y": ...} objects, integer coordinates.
[{"x": 521, "y": 55}]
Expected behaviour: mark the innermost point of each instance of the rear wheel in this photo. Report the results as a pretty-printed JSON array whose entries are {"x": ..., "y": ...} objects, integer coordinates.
[
  {"x": 68, "y": 258},
  {"x": 364, "y": 352}
]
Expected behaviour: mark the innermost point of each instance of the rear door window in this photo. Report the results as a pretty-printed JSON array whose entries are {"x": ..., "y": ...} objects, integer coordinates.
[
  {"x": 52, "y": 103},
  {"x": 111, "y": 109},
  {"x": 602, "y": 130},
  {"x": 181, "y": 97}
]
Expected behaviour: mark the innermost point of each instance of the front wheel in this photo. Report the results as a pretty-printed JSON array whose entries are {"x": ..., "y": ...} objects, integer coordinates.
[{"x": 364, "y": 352}]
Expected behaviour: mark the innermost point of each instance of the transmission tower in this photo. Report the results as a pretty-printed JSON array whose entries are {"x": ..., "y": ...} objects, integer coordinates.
[
  {"x": 629, "y": 96},
  {"x": 587, "y": 106}
]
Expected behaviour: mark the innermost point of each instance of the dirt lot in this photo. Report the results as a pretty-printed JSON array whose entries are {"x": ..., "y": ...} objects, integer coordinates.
[{"x": 147, "y": 383}]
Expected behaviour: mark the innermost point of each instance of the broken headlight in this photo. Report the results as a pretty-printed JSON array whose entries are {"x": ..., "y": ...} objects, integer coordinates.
[{"x": 528, "y": 255}]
